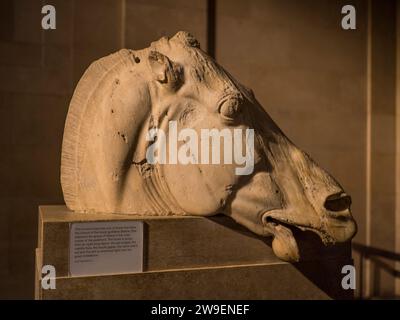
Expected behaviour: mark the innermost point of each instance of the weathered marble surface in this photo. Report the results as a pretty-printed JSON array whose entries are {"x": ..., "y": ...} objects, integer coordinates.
[{"x": 124, "y": 95}]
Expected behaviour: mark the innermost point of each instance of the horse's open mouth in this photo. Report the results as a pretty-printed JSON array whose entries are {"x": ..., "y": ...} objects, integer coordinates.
[{"x": 284, "y": 243}]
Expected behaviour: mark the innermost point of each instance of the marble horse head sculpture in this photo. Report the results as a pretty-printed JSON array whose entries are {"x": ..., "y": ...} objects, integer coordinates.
[{"x": 122, "y": 97}]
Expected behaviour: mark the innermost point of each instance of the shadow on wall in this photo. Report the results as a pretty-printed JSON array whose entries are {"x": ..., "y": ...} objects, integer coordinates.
[{"x": 321, "y": 265}]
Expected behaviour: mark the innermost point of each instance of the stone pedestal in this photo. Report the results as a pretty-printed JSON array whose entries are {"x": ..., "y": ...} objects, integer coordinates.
[{"x": 193, "y": 258}]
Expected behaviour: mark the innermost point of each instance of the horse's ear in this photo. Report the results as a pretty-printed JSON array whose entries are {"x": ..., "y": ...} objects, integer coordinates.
[{"x": 165, "y": 71}]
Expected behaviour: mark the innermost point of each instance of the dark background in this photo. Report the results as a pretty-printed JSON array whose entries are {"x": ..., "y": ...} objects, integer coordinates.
[{"x": 332, "y": 91}]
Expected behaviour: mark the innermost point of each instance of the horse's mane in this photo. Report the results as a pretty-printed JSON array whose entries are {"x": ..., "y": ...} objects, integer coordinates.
[
  {"x": 90, "y": 94},
  {"x": 79, "y": 121}
]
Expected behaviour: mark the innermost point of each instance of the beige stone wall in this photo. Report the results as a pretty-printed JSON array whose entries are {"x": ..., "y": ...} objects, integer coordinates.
[
  {"x": 333, "y": 92},
  {"x": 382, "y": 141},
  {"x": 316, "y": 80}
]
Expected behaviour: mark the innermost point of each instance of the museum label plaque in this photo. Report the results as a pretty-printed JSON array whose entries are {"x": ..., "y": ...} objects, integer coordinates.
[{"x": 105, "y": 247}]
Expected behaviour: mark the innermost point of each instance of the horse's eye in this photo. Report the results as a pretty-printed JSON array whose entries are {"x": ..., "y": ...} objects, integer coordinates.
[{"x": 229, "y": 108}]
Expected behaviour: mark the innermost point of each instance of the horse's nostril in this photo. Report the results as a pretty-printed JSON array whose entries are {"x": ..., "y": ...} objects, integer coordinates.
[{"x": 337, "y": 202}]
